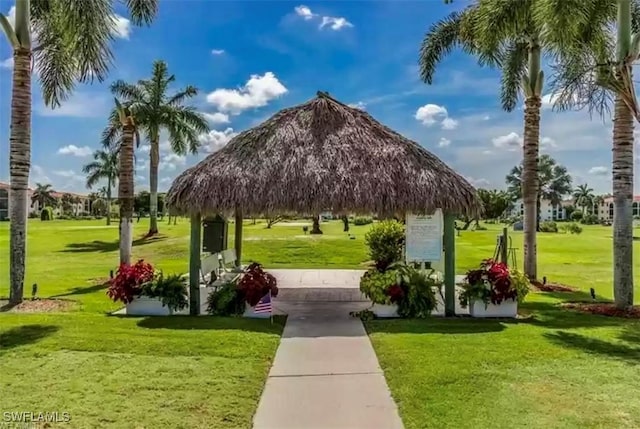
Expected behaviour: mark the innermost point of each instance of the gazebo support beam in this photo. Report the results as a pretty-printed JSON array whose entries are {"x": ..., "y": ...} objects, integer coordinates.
[
  {"x": 194, "y": 265},
  {"x": 238, "y": 237},
  {"x": 449, "y": 265}
]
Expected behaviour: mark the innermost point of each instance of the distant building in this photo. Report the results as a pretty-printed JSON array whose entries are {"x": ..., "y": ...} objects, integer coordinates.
[
  {"x": 604, "y": 211},
  {"x": 83, "y": 205},
  {"x": 548, "y": 211}
]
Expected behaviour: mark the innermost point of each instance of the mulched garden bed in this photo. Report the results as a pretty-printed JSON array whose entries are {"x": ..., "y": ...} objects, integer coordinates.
[
  {"x": 38, "y": 306},
  {"x": 603, "y": 309},
  {"x": 552, "y": 287}
]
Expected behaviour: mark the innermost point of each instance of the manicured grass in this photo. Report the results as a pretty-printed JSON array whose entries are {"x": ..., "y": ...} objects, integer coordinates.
[{"x": 557, "y": 369}]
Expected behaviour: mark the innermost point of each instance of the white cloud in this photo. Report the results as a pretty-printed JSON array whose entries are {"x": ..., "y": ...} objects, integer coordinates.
[
  {"x": 79, "y": 105},
  {"x": 145, "y": 148},
  {"x": 449, "y": 124},
  {"x": 38, "y": 175},
  {"x": 304, "y": 12},
  {"x": 486, "y": 118},
  {"x": 215, "y": 140},
  {"x": 359, "y": 105},
  {"x": 335, "y": 23},
  {"x": 64, "y": 173},
  {"x": 75, "y": 150},
  {"x": 547, "y": 143},
  {"x": 511, "y": 141},
  {"x": 123, "y": 27},
  {"x": 6, "y": 64},
  {"x": 257, "y": 92},
  {"x": 172, "y": 161},
  {"x": 216, "y": 118},
  {"x": 444, "y": 142},
  {"x": 217, "y": 51},
  {"x": 599, "y": 171},
  {"x": 478, "y": 183}
]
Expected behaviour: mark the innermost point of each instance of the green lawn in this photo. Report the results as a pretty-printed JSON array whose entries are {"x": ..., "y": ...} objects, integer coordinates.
[{"x": 553, "y": 369}]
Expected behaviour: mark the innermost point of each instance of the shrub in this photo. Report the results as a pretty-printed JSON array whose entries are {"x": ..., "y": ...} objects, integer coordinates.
[
  {"x": 256, "y": 283},
  {"x": 46, "y": 213},
  {"x": 493, "y": 282},
  {"x": 385, "y": 240},
  {"x": 576, "y": 216},
  {"x": 98, "y": 217},
  {"x": 548, "y": 226},
  {"x": 589, "y": 220},
  {"x": 33, "y": 215},
  {"x": 572, "y": 228},
  {"x": 64, "y": 217},
  {"x": 225, "y": 301},
  {"x": 418, "y": 298},
  {"x": 363, "y": 220},
  {"x": 171, "y": 290},
  {"x": 129, "y": 281},
  {"x": 381, "y": 287}
]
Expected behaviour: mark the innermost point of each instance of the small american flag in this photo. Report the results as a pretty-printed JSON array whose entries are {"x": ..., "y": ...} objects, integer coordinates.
[{"x": 264, "y": 305}]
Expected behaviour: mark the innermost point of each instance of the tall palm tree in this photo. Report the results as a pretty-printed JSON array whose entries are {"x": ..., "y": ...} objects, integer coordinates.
[
  {"x": 583, "y": 196},
  {"x": 156, "y": 110},
  {"x": 502, "y": 33},
  {"x": 590, "y": 76},
  {"x": 73, "y": 46},
  {"x": 103, "y": 166},
  {"x": 43, "y": 194}
]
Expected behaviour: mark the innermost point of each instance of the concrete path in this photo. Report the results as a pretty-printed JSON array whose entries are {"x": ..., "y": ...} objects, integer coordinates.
[{"x": 325, "y": 374}]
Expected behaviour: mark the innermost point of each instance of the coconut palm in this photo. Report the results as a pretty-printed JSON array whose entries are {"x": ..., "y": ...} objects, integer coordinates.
[
  {"x": 156, "y": 110},
  {"x": 598, "y": 76},
  {"x": 103, "y": 166},
  {"x": 73, "y": 45},
  {"x": 502, "y": 33},
  {"x": 583, "y": 196},
  {"x": 43, "y": 194}
]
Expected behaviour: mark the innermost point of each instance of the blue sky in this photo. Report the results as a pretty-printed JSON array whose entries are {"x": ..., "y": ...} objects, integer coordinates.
[{"x": 250, "y": 59}]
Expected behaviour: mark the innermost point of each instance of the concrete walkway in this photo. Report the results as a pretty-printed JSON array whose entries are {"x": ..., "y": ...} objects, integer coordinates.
[{"x": 325, "y": 374}]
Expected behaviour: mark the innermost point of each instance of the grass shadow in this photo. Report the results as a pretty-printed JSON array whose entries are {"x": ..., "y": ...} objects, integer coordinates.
[
  {"x": 551, "y": 315},
  {"x": 83, "y": 290},
  {"x": 616, "y": 350},
  {"x": 108, "y": 246},
  {"x": 213, "y": 323},
  {"x": 435, "y": 325},
  {"x": 23, "y": 335}
]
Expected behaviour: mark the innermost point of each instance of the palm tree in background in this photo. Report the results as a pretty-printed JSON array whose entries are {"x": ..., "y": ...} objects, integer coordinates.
[
  {"x": 103, "y": 166},
  {"x": 155, "y": 110},
  {"x": 73, "y": 45},
  {"x": 583, "y": 196},
  {"x": 598, "y": 76},
  {"x": 43, "y": 194}
]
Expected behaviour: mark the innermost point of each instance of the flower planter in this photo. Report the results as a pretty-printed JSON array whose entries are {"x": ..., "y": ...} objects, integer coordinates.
[
  {"x": 248, "y": 312},
  {"x": 385, "y": 310},
  {"x": 145, "y": 306},
  {"x": 508, "y": 308}
]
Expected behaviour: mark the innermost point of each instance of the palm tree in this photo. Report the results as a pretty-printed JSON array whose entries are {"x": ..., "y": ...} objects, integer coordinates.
[
  {"x": 156, "y": 110},
  {"x": 73, "y": 46},
  {"x": 583, "y": 196},
  {"x": 590, "y": 75},
  {"x": 122, "y": 126},
  {"x": 597, "y": 201},
  {"x": 43, "y": 195},
  {"x": 103, "y": 166},
  {"x": 553, "y": 178},
  {"x": 501, "y": 33}
]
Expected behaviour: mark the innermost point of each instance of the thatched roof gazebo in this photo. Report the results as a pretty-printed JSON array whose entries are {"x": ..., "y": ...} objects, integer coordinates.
[{"x": 320, "y": 155}]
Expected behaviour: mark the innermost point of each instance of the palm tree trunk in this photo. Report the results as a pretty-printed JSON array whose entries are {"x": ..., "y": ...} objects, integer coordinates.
[
  {"x": 530, "y": 183},
  {"x": 109, "y": 200},
  {"x": 20, "y": 163},
  {"x": 623, "y": 200},
  {"x": 125, "y": 192},
  {"x": 153, "y": 186}
]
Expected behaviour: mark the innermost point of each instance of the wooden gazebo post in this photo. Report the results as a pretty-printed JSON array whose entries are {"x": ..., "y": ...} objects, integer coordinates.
[
  {"x": 194, "y": 265},
  {"x": 449, "y": 265},
  {"x": 238, "y": 237}
]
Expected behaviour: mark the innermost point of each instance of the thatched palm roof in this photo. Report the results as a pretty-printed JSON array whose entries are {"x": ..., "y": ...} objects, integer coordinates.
[{"x": 321, "y": 155}]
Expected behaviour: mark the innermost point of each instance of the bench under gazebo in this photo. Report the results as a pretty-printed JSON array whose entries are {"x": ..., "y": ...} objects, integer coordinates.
[{"x": 317, "y": 156}]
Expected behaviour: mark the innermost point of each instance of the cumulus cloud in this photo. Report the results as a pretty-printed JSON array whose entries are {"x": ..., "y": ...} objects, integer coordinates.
[
  {"x": 216, "y": 118},
  {"x": 511, "y": 141},
  {"x": 335, "y": 23},
  {"x": 217, "y": 51},
  {"x": 215, "y": 140},
  {"x": 257, "y": 92},
  {"x": 172, "y": 161},
  {"x": 431, "y": 114},
  {"x": 359, "y": 105},
  {"x": 599, "y": 171},
  {"x": 75, "y": 150},
  {"x": 304, "y": 12},
  {"x": 444, "y": 142},
  {"x": 478, "y": 183},
  {"x": 6, "y": 64},
  {"x": 122, "y": 29}
]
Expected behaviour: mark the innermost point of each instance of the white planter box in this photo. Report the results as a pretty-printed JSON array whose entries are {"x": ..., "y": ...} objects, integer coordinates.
[
  {"x": 248, "y": 312},
  {"x": 508, "y": 308},
  {"x": 145, "y": 306},
  {"x": 385, "y": 310}
]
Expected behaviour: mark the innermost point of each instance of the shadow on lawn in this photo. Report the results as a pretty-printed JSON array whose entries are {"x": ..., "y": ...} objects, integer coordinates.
[
  {"x": 107, "y": 246},
  {"x": 626, "y": 352},
  {"x": 436, "y": 325},
  {"x": 213, "y": 323},
  {"x": 23, "y": 335},
  {"x": 83, "y": 290}
]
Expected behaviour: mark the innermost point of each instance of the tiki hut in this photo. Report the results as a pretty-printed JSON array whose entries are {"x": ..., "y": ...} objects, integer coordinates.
[{"x": 320, "y": 155}]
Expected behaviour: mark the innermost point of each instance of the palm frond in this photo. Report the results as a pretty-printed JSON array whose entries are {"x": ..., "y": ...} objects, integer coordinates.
[
  {"x": 513, "y": 69},
  {"x": 441, "y": 38},
  {"x": 142, "y": 11},
  {"x": 127, "y": 91},
  {"x": 180, "y": 97}
]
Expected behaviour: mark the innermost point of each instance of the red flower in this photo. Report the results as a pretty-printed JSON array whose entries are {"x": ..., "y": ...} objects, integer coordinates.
[
  {"x": 129, "y": 280},
  {"x": 395, "y": 293},
  {"x": 256, "y": 283},
  {"x": 496, "y": 275}
]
